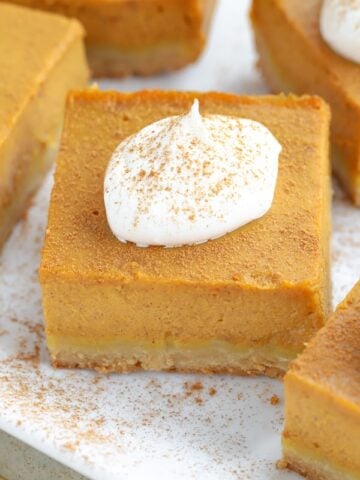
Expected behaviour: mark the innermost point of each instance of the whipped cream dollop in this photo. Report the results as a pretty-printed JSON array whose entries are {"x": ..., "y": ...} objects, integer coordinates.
[
  {"x": 187, "y": 179},
  {"x": 340, "y": 27}
]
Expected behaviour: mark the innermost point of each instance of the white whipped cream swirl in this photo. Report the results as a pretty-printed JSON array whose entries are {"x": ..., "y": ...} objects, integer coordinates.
[
  {"x": 340, "y": 27},
  {"x": 187, "y": 179}
]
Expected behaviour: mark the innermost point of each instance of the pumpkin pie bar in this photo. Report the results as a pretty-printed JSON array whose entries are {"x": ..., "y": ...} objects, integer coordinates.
[
  {"x": 322, "y": 408},
  {"x": 244, "y": 303},
  {"x": 295, "y": 58},
  {"x": 41, "y": 58},
  {"x": 140, "y": 37}
]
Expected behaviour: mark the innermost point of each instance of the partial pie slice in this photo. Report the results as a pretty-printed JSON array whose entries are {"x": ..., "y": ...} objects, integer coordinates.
[{"x": 322, "y": 409}]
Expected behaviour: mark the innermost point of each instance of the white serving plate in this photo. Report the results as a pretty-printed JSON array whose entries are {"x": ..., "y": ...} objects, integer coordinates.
[{"x": 143, "y": 425}]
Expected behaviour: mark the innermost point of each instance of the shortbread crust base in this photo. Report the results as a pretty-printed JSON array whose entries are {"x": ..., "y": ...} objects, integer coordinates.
[
  {"x": 313, "y": 468},
  {"x": 212, "y": 357},
  {"x": 111, "y": 62}
]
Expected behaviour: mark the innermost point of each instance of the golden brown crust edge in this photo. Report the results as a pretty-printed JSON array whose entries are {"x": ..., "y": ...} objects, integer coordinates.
[
  {"x": 108, "y": 63},
  {"x": 123, "y": 367},
  {"x": 307, "y": 471}
]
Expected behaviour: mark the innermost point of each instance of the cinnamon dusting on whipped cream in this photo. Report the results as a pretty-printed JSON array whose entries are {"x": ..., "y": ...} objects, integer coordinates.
[{"x": 190, "y": 178}]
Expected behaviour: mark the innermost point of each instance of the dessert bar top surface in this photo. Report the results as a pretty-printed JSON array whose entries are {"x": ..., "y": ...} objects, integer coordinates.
[
  {"x": 304, "y": 18},
  {"x": 286, "y": 246},
  {"x": 31, "y": 43},
  {"x": 332, "y": 358}
]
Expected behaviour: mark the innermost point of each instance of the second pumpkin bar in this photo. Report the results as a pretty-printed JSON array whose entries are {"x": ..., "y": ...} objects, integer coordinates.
[
  {"x": 140, "y": 37},
  {"x": 295, "y": 58}
]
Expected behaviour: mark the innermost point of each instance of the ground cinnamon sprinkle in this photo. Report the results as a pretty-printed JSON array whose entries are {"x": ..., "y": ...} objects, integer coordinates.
[
  {"x": 71, "y": 446},
  {"x": 30, "y": 357},
  {"x": 199, "y": 401},
  {"x": 192, "y": 387},
  {"x": 197, "y": 386},
  {"x": 274, "y": 400}
]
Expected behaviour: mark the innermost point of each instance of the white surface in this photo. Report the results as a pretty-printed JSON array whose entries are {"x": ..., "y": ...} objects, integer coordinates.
[
  {"x": 219, "y": 174},
  {"x": 147, "y": 425}
]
